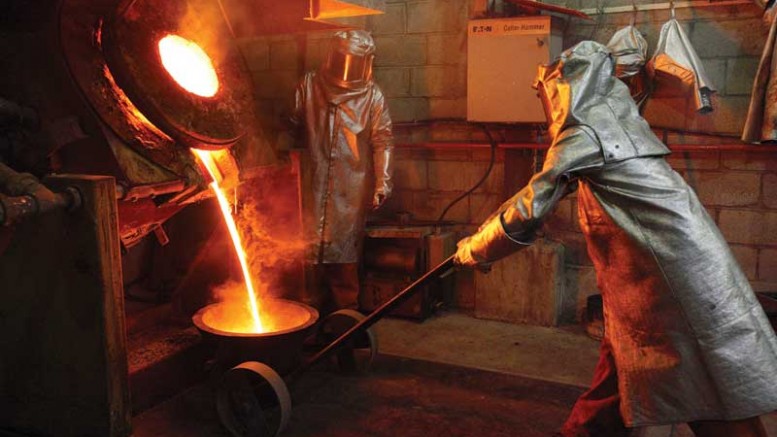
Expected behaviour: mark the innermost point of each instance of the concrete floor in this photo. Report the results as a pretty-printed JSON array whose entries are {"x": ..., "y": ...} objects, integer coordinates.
[
  {"x": 563, "y": 355},
  {"x": 514, "y": 355}
]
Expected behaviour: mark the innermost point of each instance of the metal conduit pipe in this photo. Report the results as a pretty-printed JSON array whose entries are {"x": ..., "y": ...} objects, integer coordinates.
[{"x": 27, "y": 197}]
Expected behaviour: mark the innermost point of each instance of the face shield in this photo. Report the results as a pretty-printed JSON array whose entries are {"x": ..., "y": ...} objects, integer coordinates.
[
  {"x": 347, "y": 69},
  {"x": 349, "y": 61}
]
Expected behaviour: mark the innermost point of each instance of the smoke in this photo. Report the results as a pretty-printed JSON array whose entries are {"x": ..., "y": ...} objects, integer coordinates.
[
  {"x": 269, "y": 224},
  {"x": 233, "y": 314},
  {"x": 273, "y": 245},
  {"x": 204, "y": 22}
]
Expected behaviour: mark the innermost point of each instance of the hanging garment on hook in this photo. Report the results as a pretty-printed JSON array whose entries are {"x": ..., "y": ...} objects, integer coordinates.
[
  {"x": 629, "y": 48},
  {"x": 761, "y": 122},
  {"x": 676, "y": 66}
]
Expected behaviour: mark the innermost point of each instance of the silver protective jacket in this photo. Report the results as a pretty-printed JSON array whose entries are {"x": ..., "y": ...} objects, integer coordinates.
[
  {"x": 689, "y": 338},
  {"x": 761, "y": 122},
  {"x": 675, "y": 64},
  {"x": 349, "y": 140}
]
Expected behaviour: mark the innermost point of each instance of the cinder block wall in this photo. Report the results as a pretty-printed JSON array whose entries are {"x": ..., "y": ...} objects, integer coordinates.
[{"x": 421, "y": 66}]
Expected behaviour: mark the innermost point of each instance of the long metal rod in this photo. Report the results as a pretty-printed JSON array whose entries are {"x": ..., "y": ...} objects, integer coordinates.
[
  {"x": 376, "y": 315},
  {"x": 665, "y": 6}
]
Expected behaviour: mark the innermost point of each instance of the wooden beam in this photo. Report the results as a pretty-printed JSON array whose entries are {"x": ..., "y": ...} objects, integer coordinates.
[{"x": 63, "y": 366}]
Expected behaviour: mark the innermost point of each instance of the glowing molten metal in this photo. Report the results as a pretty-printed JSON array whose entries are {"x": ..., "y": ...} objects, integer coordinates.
[
  {"x": 210, "y": 164},
  {"x": 189, "y": 65}
]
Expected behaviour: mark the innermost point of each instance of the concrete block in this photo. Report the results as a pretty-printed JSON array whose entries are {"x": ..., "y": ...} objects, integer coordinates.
[
  {"x": 728, "y": 39},
  {"x": 484, "y": 154},
  {"x": 449, "y": 154},
  {"x": 767, "y": 265},
  {"x": 284, "y": 55},
  {"x": 436, "y": 16},
  {"x": 703, "y": 160},
  {"x": 757, "y": 161},
  {"x": 448, "y": 108},
  {"x": 727, "y": 117},
  {"x": 579, "y": 283},
  {"x": 494, "y": 183},
  {"x": 458, "y": 175},
  {"x": 393, "y": 50},
  {"x": 315, "y": 53},
  {"x": 394, "y": 20},
  {"x": 447, "y": 49},
  {"x": 464, "y": 292},
  {"x": 438, "y": 81},
  {"x": 409, "y": 134},
  {"x": 740, "y": 73},
  {"x": 404, "y": 153},
  {"x": 355, "y": 22},
  {"x": 687, "y": 138},
  {"x": 716, "y": 71},
  {"x": 275, "y": 84},
  {"x": 596, "y": 32},
  {"x": 747, "y": 257},
  {"x": 748, "y": 227},
  {"x": 482, "y": 205},
  {"x": 410, "y": 175},
  {"x": 666, "y": 112},
  {"x": 526, "y": 287},
  {"x": 399, "y": 201},
  {"x": 395, "y": 81},
  {"x": 770, "y": 190},
  {"x": 408, "y": 109},
  {"x": 727, "y": 188},
  {"x": 447, "y": 132},
  {"x": 716, "y": 13},
  {"x": 428, "y": 205},
  {"x": 256, "y": 53}
]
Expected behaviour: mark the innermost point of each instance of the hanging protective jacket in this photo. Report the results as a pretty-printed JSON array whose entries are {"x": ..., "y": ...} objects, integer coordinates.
[{"x": 675, "y": 64}]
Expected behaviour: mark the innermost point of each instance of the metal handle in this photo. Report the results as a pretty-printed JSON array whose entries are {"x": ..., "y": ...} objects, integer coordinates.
[
  {"x": 14, "y": 209},
  {"x": 441, "y": 269}
]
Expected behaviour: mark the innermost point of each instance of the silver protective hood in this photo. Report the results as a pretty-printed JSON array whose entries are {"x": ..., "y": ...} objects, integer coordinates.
[
  {"x": 349, "y": 60},
  {"x": 675, "y": 60},
  {"x": 580, "y": 89},
  {"x": 629, "y": 48}
]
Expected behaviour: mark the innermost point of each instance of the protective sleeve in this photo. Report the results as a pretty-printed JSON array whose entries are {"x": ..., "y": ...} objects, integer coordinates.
[
  {"x": 298, "y": 105},
  {"x": 382, "y": 141},
  {"x": 515, "y": 223}
]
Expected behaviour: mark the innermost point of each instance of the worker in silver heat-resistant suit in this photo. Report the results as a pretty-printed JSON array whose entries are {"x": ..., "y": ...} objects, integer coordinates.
[
  {"x": 347, "y": 131},
  {"x": 685, "y": 338}
]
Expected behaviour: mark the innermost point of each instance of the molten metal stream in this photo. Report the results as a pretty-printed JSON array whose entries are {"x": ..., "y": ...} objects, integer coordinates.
[{"x": 210, "y": 165}]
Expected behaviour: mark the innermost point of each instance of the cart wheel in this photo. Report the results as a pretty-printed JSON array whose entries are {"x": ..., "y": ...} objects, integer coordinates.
[
  {"x": 253, "y": 401},
  {"x": 359, "y": 352}
]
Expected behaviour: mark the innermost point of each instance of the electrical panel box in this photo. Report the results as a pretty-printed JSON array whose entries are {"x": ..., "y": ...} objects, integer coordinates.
[{"x": 502, "y": 60}]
